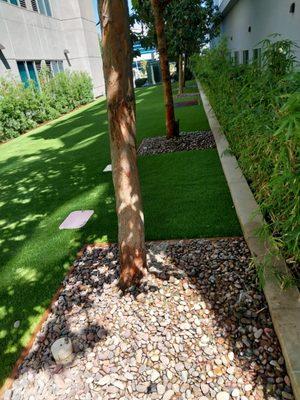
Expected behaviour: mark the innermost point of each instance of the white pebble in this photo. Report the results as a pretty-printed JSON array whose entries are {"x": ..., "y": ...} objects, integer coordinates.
[
  {"x": 223, "y": 396},
  {"x": 105, "y": 380},
  {"x": 248, "y": 387},
  {"x": 154, "y": 375},
  {"x": 168, "y": 395}
]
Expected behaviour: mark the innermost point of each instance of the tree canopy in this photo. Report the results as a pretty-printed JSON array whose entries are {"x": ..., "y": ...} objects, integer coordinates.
[{"x": 189, "y": 24}]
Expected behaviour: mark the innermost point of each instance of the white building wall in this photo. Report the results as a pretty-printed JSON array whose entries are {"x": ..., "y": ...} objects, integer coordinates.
[
  {"x": 28, "y": 35},
  {"x": 265, "y": 17}
]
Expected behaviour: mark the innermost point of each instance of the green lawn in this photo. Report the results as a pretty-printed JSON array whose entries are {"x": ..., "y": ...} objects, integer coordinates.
[{"x": 46, "y": 174}]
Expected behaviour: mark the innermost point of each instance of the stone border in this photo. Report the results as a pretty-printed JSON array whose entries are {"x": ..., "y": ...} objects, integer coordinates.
[{"x": 284, "y": 305}]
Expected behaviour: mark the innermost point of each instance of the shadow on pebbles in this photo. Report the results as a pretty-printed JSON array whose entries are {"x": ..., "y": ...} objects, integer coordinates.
[{"x": 197, "y": 328}]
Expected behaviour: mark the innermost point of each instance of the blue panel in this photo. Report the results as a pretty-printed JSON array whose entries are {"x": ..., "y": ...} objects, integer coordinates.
[
  {"x": 15, "y": 2},
  {"x": 61, "y": 66},
  {"x": 23, "y": 73},
  {"x": 32, "y": 74},
  {"x": 54, "y": 67},
  {"x": 48, "y": 8},
  {"x": 42, "y": 7}
]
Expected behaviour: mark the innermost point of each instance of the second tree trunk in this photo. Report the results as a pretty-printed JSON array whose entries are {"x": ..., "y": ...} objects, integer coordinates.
[{"x": 171, "y": 124}]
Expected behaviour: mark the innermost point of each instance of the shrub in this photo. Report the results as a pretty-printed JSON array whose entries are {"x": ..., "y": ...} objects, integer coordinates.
[
  {"x": 258, "y": 106},
  {"x": 23, "y": 108}
]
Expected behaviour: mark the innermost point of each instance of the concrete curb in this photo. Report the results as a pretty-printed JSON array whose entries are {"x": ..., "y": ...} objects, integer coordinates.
[{"x": 284, "y": 305}]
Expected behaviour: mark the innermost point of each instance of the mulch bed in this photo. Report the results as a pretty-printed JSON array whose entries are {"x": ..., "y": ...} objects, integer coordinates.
[
  {"x": 197, "y": 328},
  {"x": 187, "y": 141},
  {"x": 186, "y": 103}
]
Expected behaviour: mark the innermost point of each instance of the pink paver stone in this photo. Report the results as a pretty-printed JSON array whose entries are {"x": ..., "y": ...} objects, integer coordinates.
[{"x": 77, "y": 219}]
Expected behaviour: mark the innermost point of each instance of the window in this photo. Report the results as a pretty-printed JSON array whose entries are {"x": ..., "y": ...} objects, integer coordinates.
[
  {"x": 48, "y": 8},
  {"x": 60, "y": 66},
  {"x": 246, "y": 57},
  {"x": 27, "y": 71},
  {"x": 42, "y": 6},
  {"x": 257, "y": 56},
  {"x": 54, "y": 66},
  {"x": 16, "y": 2},
  {"x": 38, "y": 66},
  {"x": 48, "y": 65},
  {"x": 236, "y": 58}
]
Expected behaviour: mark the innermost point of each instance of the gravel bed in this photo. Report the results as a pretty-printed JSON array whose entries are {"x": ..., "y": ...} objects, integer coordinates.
[
  {"x": 185, "y": 142},
  {"x": 187, "y": 95},
  {"x": 189, "y": 103},
  {"x": 197, "y": 328}
]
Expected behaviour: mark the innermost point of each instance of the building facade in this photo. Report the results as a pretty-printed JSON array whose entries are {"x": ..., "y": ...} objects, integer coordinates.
[
  {"x": 60, "y": 34},
  {"x": 246, "y": 23}
]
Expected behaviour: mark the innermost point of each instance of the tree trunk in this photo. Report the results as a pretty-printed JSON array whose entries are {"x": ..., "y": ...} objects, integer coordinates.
[
  {"x": 171, "y": 124},
  {"x": 117, "y": 63},
  {"x": 180, "y": 75}
]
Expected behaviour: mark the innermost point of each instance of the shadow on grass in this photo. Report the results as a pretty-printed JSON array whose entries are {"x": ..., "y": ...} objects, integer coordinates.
[{"x": 38, "y": 190}]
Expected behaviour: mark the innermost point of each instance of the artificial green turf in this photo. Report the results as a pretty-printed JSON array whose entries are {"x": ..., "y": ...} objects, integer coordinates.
[
  {"x": 152, "y": 121},
  {"x": 57, "y": 169},
  {"x": 185, "y": 195}
]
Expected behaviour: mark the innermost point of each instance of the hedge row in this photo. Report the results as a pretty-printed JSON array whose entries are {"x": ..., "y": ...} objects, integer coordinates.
[
  {"x": 258, "y": 106},
  {"x": 23, "y": 108}
]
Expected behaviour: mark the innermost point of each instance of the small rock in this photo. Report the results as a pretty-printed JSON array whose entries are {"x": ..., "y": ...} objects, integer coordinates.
[
  {"x": 168, "y": 395},
  {"x": 7, "y": 395},
  {"x": 204, "y": 339},
  {"x": 223, "y": 396},
  {"x": 287, "y": 380},
  {"x": 120, "y": 385},
  {"x": 154, "y": 375},
  {"x": 142, "y": 388},
  {"x": 235, "y": 393},
  {"x": 179, "y": 367},
  {"x": 204, "y": 388},
  {"x": 169, "y": 374},
  {"x": 129, "y": 376},
  {"x": 160, "y": 389},
  {"x": 258, "y": 333},
  {"x": 105, "y": 380}
]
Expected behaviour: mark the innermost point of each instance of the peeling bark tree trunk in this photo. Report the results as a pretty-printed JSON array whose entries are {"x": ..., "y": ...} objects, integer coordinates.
[
  {"x": 180, "y": 75},
  {"x": 171, "y": 124},
  {"x": 117, "y": 63}
]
